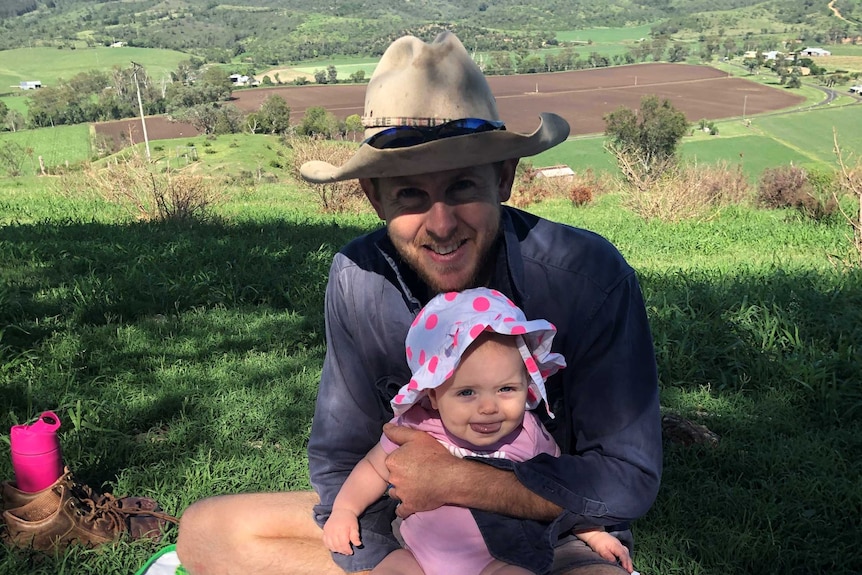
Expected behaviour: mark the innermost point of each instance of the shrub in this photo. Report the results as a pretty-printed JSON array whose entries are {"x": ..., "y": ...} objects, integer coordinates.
[
  {"x": 722, "y": 185},
  {"x": 530, "y": 188},
  {"x": 144, "y": 190},
  {"x": 689, "y": 191},
  {"x": 849, "y": 182},
  {"x": 790, "y": 187},
  {"x": 12, "y": 156},
  {"x": 337, "y": 197}
]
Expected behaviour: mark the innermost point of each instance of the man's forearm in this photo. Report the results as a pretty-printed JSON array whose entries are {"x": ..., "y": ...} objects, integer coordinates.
[{"x": 480, "y": 486}]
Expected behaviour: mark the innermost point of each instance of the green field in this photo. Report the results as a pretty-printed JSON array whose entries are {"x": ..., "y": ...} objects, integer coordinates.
[
  {"x": 754, "y": 153},
  {"x": 605, "y": 35},
  {"x": 803, "y": 138},
  {"x": 50, "y": 64},
  {"x": 812, "y": 132},
  {"x": 56, "y": 146}
]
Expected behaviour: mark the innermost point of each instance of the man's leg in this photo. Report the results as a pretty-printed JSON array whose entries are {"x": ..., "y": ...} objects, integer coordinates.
[
  {"x": 400, "y": 562},
  {"x": 574, "y": 557},
  {"x": 261, "y": 533}
]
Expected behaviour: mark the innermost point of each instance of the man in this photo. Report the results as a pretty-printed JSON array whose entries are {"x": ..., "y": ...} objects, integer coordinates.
[{"x": 436, "y": 166}]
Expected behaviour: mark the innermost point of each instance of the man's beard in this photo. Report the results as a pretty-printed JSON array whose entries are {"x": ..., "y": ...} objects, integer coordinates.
[{"x": 480, "y": 277}]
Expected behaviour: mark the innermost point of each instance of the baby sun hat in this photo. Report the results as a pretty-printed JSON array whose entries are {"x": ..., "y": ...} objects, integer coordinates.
[{"x": 451, "y": 322}]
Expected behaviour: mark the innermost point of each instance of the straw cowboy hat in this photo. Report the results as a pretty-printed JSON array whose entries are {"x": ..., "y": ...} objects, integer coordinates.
[{"x": 413, "y": 104}]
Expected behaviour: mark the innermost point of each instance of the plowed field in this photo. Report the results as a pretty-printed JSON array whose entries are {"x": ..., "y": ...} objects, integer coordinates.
[{"x": 582, "y": 97}]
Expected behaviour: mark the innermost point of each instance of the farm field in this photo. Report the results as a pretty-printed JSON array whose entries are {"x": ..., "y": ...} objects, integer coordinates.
[
  {"x": 582, "y": 97},
  {"x": 49, "y": 64},
  {"x": 818, "y": 134},
  {"x": 753, "y": 153},
  {"x": 56, "y": 145}
]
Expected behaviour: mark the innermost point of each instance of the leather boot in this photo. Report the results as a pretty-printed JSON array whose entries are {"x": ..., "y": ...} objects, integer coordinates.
[{"x": 69, "y": 512}]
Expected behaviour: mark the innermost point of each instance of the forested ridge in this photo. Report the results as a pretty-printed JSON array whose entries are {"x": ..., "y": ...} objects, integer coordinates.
[{"x": 283, "y": 31}]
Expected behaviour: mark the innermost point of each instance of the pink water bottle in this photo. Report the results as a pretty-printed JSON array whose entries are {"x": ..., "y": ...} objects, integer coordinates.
[{"x": 36, "y": 456}]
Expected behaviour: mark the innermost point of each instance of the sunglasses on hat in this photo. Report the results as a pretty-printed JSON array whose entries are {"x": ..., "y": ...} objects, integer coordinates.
[{"x": 405, "y": 136}]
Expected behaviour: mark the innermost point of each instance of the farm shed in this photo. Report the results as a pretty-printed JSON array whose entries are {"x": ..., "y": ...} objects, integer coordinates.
[
  {"x": 242, "y": 80},
  {"x": 30, "y": 85},
  {"x": 561, "y": 171},
  {"x": 814, "y": 52}
]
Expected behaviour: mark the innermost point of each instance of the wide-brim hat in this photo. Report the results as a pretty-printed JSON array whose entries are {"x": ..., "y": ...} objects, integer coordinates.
[
  {"x": 427, "y": 84},
  {"x": 445, "y": 328}
]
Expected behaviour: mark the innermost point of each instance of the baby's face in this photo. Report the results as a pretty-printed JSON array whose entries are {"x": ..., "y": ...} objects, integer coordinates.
[{"x": 485, "y": 399}]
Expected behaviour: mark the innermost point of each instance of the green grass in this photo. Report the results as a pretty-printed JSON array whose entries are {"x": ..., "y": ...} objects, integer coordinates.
[
  {"x": 50, "y": 64},
  {"x": 754, "y": 153},
  {"x": 803, "y": 138},
  {"x": 56, "y": 145},
  {"x": 813, "y": 131},
  {"x": 579, "y": 154},
  {"x": 605, "y": 35},
  {"x": 16, "y": 102},
  {"x": 183, "y": 360},
  {"x": 226, "y": 155}
]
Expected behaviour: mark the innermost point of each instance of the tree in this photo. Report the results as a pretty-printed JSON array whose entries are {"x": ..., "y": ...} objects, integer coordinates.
[
  {"x": 14, "y": 121},
  {"x": 751, "y": 64},
  {"x": 229, "y": 120},
  {"x": 678, "y": 53},
  {"x": 318, "y": 122},
  {"x": 645, "y": 142},
  {"x": 331, "y": 74},
  {"x": 530, "y": 64},
  {"x": 204, "y": 117},
  {"x": 358, "y": 77},
  {"x": 353, "y": 124},
  {"x": 274, "y": 115},
  {"x": 320, "y": 76},
  {"x": 794, "y": 81},
  {"x": 216, "y": 83}
]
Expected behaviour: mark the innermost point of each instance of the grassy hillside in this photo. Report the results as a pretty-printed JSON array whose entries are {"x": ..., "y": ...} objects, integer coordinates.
[
  {"x": 49, "y": 64},
  {"x": 803, "y": 138},
  {"x": 183, "y": 361}
]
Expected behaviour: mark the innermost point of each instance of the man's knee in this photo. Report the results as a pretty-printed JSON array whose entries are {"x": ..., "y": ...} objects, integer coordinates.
[
  {"x": 595, "y": 569},
  {"x": 574, "y": 557}
]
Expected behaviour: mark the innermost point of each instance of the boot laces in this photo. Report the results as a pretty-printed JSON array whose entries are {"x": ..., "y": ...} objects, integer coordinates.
[{"x": 104, "y": 509}]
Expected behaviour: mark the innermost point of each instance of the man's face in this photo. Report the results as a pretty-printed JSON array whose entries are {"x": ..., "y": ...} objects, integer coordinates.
[{"x": 444, "y": 224}]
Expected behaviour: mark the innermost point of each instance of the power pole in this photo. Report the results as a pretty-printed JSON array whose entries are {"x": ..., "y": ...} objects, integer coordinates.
[{"x": 141, "y": 108}]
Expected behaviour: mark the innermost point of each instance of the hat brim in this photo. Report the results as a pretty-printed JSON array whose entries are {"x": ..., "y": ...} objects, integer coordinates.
[{"x": 441, "y": 155}]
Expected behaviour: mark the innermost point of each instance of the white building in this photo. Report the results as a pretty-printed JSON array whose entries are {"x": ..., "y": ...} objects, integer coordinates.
[{"x": 814, "y": 52}]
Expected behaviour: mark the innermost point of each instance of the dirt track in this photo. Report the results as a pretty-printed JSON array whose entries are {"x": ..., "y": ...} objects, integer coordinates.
[{"x": 581, "y": 97}]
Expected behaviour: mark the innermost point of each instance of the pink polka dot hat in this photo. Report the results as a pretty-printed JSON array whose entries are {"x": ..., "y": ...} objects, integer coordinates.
[{"x": 445, "y": 328}]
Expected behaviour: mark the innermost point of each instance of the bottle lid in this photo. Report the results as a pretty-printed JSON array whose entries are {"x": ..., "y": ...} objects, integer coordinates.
[{"x": 41, "y": 435}]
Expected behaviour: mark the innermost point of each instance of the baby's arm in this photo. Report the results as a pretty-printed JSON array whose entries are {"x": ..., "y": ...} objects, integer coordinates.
[
  {"x": 365, "y": 484},
  {"x": 608, "y": 546}
]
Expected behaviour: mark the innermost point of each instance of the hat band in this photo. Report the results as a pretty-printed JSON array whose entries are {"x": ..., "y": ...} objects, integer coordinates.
[
  {"x": 389, "y": 121},
  {"x": 411, "y": 135}
]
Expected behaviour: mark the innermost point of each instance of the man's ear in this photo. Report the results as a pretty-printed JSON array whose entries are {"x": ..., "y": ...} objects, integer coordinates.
[
  {"x": 507, "y": 178},
  {"x": 373, "y": 196}
]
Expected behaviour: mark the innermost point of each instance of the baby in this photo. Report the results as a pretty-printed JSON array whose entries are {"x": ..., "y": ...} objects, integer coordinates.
[{"x": 478, "y": 365}]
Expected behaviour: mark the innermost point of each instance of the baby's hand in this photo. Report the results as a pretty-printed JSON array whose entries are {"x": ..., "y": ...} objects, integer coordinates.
[
  {"x": 609, "y": 547},
  {"x": 340, "y": 530}
]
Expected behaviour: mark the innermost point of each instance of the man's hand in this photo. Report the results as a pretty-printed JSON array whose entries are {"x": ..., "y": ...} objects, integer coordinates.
[
  {"x": 340, "y": 530},
  {"x": 418, "y": 470}
]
